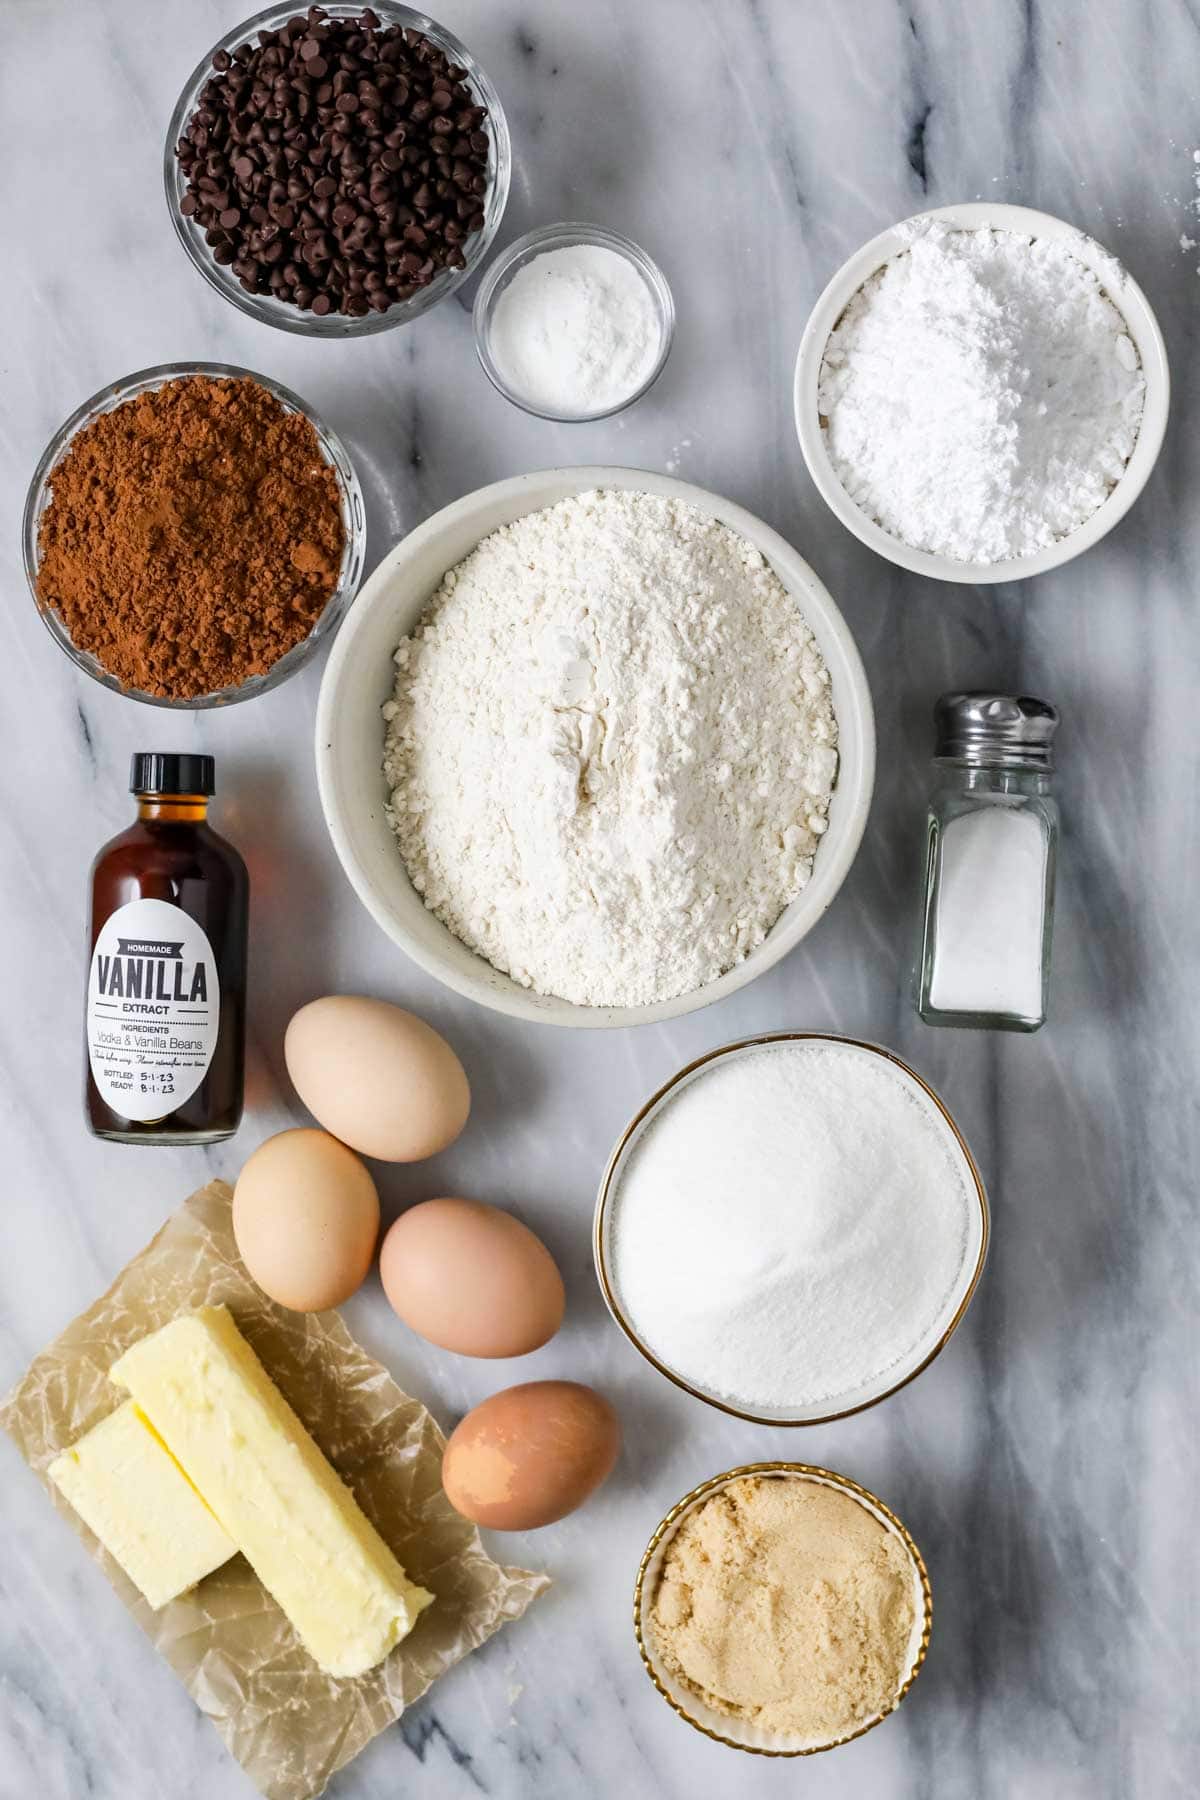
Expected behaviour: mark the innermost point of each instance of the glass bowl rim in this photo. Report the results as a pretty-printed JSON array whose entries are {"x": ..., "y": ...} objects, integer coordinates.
[
  {"x": 337, "y": 326},
  {"x": 115, "y": 394},
  {"x": 564, "y": 233}
]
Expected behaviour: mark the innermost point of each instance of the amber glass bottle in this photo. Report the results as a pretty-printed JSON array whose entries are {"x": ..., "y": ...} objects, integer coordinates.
[{"x": 166, "y": 993}]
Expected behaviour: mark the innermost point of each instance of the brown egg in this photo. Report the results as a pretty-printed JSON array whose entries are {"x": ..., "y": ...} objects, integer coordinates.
[
  {"x": 471, "y": 1278},
  {"x": 377, "y": 1077},
  {"x": 306, "y": 1218},
  {"x": 530, "y": 1455}
]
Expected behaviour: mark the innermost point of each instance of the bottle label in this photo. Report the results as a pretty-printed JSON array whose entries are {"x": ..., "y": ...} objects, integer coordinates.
[{"x": 153, "y": 1009}]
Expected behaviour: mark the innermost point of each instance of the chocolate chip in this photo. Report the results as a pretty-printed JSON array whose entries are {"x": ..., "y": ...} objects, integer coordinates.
[{"x": 338, "y": 123}]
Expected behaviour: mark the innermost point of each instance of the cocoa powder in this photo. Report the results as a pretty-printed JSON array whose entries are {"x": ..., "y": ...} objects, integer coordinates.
[{"x": 194, "y": 535}]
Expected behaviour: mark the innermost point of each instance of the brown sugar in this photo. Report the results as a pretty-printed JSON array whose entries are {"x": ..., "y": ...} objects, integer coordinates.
[
  {"x": 784, "y": 1602},
  {"x": 194, "y": 535}
]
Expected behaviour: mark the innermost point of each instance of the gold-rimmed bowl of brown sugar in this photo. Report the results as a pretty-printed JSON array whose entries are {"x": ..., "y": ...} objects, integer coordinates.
[
  {"x": 918, "y": 1357},
  {"x": 742, "y": 1734}
]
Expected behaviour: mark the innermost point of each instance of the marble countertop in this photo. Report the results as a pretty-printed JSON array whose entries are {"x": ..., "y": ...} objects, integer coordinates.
[{"x": 1048, "y": 1462}]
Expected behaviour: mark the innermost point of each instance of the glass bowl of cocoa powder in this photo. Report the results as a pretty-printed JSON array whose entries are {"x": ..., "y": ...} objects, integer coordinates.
[{"x": 193, "y": 534}]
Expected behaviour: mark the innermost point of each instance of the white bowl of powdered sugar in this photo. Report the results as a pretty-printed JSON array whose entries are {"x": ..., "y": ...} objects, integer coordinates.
[
  {"x": 792, "y": 1228},
  {"x": 595, "y": 747},
  {"x": 981, "y": 393}
]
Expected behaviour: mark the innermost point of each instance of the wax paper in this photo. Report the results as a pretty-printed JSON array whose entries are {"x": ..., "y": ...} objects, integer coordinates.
[{"x": 290, "y": 1726}]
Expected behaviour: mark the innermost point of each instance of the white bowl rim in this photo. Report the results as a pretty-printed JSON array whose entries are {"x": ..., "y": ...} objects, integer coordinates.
[
  {"x": 855, "y": 717},
  {"x": 1129, "y": 301}
]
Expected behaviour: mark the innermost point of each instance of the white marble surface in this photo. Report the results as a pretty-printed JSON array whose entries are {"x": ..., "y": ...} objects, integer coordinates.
[{"x": 1048, "y": 1463}]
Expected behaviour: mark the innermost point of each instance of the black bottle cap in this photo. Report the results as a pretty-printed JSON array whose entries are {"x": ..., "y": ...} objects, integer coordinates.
[{"x": 164, "y": 772}]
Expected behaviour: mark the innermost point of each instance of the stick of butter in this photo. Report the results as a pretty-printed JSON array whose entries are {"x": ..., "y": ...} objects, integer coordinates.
[
  {"x": 300, "y": 1528},
  {"x": 127, "y": 1488}
]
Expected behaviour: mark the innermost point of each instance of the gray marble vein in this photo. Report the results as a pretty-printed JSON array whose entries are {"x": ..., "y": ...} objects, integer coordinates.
[{"x": 1048, "y": 1462}]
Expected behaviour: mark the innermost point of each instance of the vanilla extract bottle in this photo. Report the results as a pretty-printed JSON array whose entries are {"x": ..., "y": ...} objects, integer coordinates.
[{"x": 166, "y": 992}]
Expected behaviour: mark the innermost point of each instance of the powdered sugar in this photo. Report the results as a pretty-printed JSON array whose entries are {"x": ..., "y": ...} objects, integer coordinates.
[
  {"x": 793, "y": 1226},
  {"x": 981, "y": 393},
  {"x": 611, "y": 749}
]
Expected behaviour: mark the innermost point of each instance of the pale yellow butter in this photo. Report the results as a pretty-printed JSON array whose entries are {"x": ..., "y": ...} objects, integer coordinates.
[
  {"x": 299, "y": 1526},
  {"x": 128, "y": 1489}
]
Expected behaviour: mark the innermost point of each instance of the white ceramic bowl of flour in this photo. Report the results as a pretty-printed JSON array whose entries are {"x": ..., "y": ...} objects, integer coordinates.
[
  {"x": 359, "y": 679},
  {"x": 792, "y": 1228},
  {"x": 1142, "y": 327}
]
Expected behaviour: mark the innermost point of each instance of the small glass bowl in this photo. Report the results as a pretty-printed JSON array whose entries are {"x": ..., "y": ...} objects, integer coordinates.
[
  {"x": 281, "y": 313},
  {"x": 564, "y": 237},
  {"x": 353, "y": 520}
]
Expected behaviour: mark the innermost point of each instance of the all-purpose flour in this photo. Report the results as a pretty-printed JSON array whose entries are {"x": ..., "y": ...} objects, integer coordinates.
[
  {"x": 981, "y": 394},
  {"x": 611, "y": 749}
]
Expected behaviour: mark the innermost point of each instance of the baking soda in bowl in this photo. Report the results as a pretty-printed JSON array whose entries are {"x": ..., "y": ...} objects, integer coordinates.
[{"x": 795, "y": 1228}]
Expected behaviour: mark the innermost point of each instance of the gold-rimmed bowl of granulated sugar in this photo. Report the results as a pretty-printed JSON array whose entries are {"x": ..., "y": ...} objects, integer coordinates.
[
  {"x": 937, "y": 1330},
  {"x": 743, "y": 1734}
]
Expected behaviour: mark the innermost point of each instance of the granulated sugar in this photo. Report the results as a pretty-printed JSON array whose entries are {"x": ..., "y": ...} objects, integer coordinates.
[
  {"x": 793, "y": 1225},
  {"x": 981, "y": 393}
]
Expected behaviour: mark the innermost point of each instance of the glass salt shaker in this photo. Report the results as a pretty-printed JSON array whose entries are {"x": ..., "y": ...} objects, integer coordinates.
[{"x": 991, "y": 847}]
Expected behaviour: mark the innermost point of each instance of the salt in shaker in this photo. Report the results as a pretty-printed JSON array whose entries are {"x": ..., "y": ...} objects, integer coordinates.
[{"x": 991, "y": 847}]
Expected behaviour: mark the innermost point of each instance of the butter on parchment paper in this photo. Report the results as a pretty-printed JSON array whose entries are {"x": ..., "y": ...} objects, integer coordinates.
[
  {"x": 298, "y": 1525},
  {"x": 128, "y": 1489}
]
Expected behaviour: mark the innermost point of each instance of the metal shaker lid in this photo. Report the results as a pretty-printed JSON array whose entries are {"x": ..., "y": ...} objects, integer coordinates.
[{"x": 995, "y": 731}]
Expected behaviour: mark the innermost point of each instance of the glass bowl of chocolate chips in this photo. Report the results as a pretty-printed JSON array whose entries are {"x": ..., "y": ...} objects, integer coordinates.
[{"x": 337, "y": 171}]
